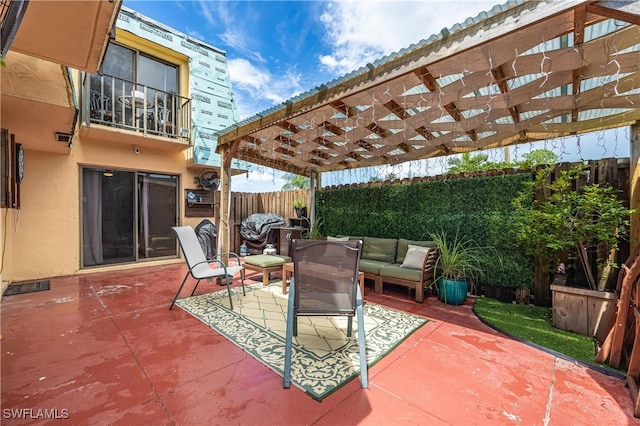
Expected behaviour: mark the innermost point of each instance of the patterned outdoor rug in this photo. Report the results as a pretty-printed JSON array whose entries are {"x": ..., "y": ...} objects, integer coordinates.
[{"x": 323, "y": 358}]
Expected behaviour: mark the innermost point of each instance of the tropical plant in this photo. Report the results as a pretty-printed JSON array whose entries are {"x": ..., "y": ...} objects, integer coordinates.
[
  {"x": 388, "y": 176},
  {"x": 468, "y": 163},
  {"x": 568, "y": 222},
  {"x": 538, "y": 157},
  {"x": 294, "y": 181},
  {"x": 299, "y": 203},
  {"x": 314, "y": 232},
  {"x": 460, "y": 258}
]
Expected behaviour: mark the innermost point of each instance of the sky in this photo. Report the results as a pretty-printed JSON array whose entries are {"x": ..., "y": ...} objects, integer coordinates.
[{"x": 279, "y": 49}]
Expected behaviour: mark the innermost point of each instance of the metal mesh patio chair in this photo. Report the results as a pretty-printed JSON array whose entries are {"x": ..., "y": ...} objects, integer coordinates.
[
  {"x": 163, "y": 120},
  {"x": 199, "y": 266},
  {"x": 325, "y": 283}
]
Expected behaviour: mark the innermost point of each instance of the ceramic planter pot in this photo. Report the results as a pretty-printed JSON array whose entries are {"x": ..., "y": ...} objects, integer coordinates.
[{"x": 452, "y": 292}]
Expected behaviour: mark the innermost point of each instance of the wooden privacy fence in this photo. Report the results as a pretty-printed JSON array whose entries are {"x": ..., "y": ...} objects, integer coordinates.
[{"x": 244, "y": 204}]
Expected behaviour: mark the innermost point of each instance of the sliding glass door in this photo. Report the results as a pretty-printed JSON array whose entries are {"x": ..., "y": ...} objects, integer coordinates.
[
  {"x": 157, "y": 213},
  {"x": 127, "y": 216}
]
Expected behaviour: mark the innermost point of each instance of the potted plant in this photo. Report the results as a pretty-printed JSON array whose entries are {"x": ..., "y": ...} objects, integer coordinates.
[
  {"x": 460, "y": 261},
  {"x": 567, "y": 223},
  {"x": 301, "y": 207},
  {"x": 562, "y": 229}
]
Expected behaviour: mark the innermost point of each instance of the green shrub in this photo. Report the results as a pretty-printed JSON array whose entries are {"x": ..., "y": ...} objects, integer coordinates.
[{"x": 479, "y": 208}]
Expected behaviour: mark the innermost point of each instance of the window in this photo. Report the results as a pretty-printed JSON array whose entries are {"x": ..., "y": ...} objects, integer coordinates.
[
  {"x": 127, "y": 216},
  {"x": 137, "y": 67},
  {"x": 158, "y": 75},
  {"x": 120, "y": 62}
]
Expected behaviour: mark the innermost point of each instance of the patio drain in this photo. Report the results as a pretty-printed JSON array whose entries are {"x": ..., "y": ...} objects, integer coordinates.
[{"x": 30, "y": 287}]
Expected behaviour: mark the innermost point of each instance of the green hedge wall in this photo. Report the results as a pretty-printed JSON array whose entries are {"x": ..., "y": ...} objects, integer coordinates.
[{"x": 477, "y": 207}]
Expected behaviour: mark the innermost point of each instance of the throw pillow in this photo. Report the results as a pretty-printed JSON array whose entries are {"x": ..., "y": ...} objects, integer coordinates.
[
  {"x": 415, "y": 257},
  {"x": 334, "y": 251}
]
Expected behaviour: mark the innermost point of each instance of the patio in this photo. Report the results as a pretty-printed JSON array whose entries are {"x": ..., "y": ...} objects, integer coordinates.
[{"x": 104, "y": 349}]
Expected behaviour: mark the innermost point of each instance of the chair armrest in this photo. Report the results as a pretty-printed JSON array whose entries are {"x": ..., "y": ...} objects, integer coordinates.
[
  {"x": 214, "y": 260},
  {"x": 229, "y": 253},
  {"x": 211, "y": 261}
]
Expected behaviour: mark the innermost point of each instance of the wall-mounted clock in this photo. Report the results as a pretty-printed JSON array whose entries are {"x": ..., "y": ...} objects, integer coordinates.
[{"x": 19, "y": 162}]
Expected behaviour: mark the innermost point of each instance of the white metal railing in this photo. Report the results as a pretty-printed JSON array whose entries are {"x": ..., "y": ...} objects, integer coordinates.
[{"x": 125, "y": 104}]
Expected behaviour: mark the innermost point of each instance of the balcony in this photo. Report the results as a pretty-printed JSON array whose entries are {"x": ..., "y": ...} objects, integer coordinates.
[{"x": 122, "y": 111}]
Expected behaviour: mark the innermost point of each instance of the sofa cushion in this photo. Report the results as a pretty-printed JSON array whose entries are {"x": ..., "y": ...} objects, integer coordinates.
[
  {"x": 371, "y": 266},
  {"x": 381, "y": 249},
  {"x": 396, "y": 271},
  {"x": 415, "y": 257},
  {"x": 403, "y": 246}
]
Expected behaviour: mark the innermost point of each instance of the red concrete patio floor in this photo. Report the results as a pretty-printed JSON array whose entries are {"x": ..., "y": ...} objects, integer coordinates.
[{"x": 104, "y": 348}]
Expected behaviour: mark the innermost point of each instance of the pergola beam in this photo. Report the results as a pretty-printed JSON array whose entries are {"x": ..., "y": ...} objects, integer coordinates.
[{"x": 626, "y": 11}]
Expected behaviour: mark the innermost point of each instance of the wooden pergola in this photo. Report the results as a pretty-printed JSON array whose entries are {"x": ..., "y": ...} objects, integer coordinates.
[{"x": 522, "y": 72}]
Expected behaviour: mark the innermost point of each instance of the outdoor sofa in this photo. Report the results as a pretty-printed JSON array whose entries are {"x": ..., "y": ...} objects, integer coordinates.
[{"x": 385, "y": 260}]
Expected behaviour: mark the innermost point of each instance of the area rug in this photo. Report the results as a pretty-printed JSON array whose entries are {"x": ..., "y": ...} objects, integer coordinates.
[{"x": 324, "y": 358}]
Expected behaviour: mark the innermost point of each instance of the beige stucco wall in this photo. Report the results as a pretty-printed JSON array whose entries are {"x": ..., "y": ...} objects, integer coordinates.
[
  {"x": 6, "y": 242},
  {"x": 46, "y": 232},
  {"x": 45, "y": 225}
]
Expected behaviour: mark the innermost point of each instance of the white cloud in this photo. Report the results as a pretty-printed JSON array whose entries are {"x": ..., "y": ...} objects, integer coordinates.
[
  {"x": 256, "y": 89},
  {"x": 261, "y": 179},
  {"x": 360, "y": 32},
  {"x": 247, "y": 76}
]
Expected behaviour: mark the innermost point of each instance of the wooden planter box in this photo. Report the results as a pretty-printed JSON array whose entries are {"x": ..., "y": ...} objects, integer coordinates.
[{"x": 581, "y": 310}]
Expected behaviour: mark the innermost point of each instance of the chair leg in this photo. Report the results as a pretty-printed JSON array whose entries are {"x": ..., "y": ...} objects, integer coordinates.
[
  {"x": 229, "y": 292},
  {"x": 242, "y": 282},
  {"x": 176, "y": 297},
  {"x": 349, "y": 326},
  {"x": 295, "y": 324},
  {"x": 364, "y": 375},
  {"x": 194, "y": 288},
  {"x": 420, "y": 292},
  {"x": 288, "y": 342}
]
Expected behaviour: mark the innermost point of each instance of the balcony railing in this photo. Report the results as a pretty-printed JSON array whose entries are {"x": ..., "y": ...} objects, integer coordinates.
[{"x": 124, "y": 104}]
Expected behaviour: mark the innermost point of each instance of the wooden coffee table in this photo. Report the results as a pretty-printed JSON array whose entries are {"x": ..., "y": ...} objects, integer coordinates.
[{"x": 287, "y": 272}]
